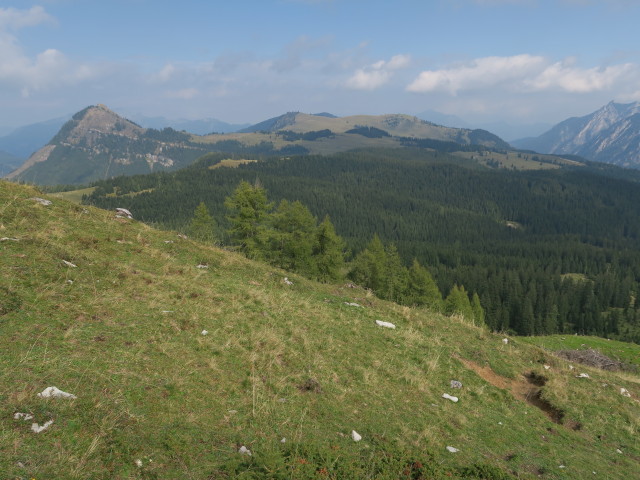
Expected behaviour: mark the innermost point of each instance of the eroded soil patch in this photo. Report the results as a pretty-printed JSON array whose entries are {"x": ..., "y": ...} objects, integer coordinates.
[{"x": 527, "y": 388}]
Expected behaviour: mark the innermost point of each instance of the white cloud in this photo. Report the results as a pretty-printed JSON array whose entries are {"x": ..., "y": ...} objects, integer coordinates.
[
  {"x": 576, "y": 80},
  {"x": 165, "y": 73},
  {"x": 13, "y": 19},
  {"x": 522, "y": 73},
  {"x": 377, "y": 74},
  {"x": 479, "y": 73},
  {"x": 47, "y": 69}
]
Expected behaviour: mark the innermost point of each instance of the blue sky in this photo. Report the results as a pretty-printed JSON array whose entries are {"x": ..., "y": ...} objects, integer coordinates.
[{"x": 515, "y": 61}]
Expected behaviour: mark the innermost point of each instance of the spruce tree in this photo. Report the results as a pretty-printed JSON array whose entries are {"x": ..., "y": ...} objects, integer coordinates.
[
  {"x": 421, "y": 288},
  {"x": 248, "y": 208},
  {"x": 478, "y": 311},
  {"x": 328, "y": 252},
  {"x": 368, "y": 268},
  {"x": 202, "y": 226},
  {"x": 457, "y": 303},
  {"x": 289, "y": 239}
]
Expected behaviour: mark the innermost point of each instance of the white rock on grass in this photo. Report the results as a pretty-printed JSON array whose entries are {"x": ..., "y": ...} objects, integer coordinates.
[
  {"x": 56, "y": 393},
  {"x": 385, "y": 324},
  {"x": 353, "y": 304},
  {"x": 244, "y": 451},
  {"x": 450, "y": 397},
  {"x": 204, "y": 332},
  {"x": 6, "y": 239},
  {"x": 138, "y": 463},
  {"x": 583, "y": 375},
  {"x": 624, "y": 392},
  {"x": 287, "y": 281},
  {"x": 123, "y": 213},
  {"x": 355, "y": 436},
  {"x": 202, "y": 265},
  {"x": 456, "y": 384},
  {"x": 42, "y": 201},
  {"x": 40, "y": 428},
  {"x": 505, "y": 341},
  {"x": 69, "y": 264},
  {"x": 452, "y": 449},
  {"x": 22, "y": 416}
]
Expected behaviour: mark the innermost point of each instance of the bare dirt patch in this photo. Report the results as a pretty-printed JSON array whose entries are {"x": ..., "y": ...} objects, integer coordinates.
[{"x": 527, "y": 388}]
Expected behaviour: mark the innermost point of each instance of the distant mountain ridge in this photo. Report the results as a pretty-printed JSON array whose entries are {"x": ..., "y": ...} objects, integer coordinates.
[
  {"x": 23, "y": 141},
  {"x": 396, "y": 125},
  {"x": 609, "y": 135},
  {"x": 203, "y": 126},
  {"x": 97, "y": 143}
]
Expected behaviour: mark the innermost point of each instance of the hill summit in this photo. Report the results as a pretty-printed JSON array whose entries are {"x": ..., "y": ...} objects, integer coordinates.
[
  {"x": 174, "y": 359},
  {"x": 97, "y": 143}
]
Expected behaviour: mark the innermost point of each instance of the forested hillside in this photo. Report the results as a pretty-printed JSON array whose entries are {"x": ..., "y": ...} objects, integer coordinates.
[{"x": 550, "y": 250}]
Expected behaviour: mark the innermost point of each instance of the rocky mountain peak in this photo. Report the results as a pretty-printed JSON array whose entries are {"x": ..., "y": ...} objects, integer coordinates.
[
  {"x": 95, "y": 121},
  {"x": 611, "y": 134}
]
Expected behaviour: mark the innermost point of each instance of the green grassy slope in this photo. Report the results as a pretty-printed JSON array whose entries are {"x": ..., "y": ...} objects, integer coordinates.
[{"x": 123, "y": 331}]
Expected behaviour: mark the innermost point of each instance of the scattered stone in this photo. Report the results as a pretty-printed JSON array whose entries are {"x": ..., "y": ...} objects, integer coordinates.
[
  {"x": 182, "y": 236},
  {"x": 385, "y": 324},
  {"x": 166, "y": 311},
  {"x": 138, "y": 463},
  {"x": 547, "y": 367},
  {"x": 55, "y": 392},
  {"x": 8, "y": 239},
  {"x": 456, "y": 384},
  {"x": 202, "y": 265},
  {"x": 168, "y": 241},
  {"x": 452, "y": 449},
  {"x": 287, "y": 281},
  {"x": 22, "y": 416},
  {"x": 123, "y": 213},
  {"x": 583, "y": 375},
  {"x": 618, "y": 451},
  {"x": 353, "y": 304},
  {"x": 624, "y": 392},
  {"x": 284, "y": 440},
  {"x": 450, "y": 397},
  {"x": 244, "y": 451},
  {"x": 20, "y": 465},
  {"x": 505, "y": 341},
  {"x": 40, "y": 428},
  {"x": 355, "y": 436},
  {"x": 571, "y": 367},
  {"x": 42, "y": 201},
  {"x": 69, "y": 264},
  {"x": 282, "y": 400},
  {"x": 70, "y": 282},
  {"x": 204, "y": 332},
  {"x": 561, "y": 466}
]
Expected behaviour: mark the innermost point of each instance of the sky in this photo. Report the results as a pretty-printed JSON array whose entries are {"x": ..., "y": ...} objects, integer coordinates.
[{"x": 242, "y": 61}]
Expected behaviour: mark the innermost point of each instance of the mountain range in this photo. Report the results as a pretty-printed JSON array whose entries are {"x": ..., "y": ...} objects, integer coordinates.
[
  {"x": 97, "y": 143},
  {"x": 609, "y": 135}
]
